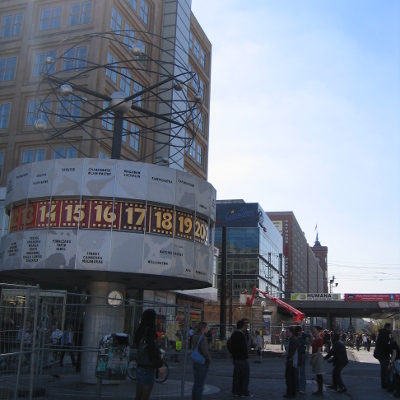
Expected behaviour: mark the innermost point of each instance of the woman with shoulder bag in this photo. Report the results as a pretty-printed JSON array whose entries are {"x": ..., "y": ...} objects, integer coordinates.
[
  {"x": 317, "y": 359},
  {"x": 200, "y": 370},
  {"x": 146, "y": 373}
]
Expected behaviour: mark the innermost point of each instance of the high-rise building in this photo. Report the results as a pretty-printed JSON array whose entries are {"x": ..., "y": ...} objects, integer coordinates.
[
  {"x": 61, "y": 62},
  {"x": 63, "y": 39},
  {"x": 303, "y": 271}
]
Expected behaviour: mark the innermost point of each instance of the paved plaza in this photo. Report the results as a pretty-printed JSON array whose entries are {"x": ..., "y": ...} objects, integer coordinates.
[{"x": 267, "y": 382}]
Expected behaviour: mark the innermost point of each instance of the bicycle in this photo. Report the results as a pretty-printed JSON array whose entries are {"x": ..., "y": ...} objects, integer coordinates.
[{"x": 160, "y": 378}]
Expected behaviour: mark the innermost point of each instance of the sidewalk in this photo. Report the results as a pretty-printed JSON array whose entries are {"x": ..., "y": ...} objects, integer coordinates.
[{"x": 267, "y": 381}]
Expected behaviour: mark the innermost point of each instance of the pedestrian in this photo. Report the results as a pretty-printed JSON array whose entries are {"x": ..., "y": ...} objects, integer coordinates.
[
  {"x": 369, "y": 342},
  {"x": 200, "y": 371},
  {"x": 237, "y": 346},
  {"x": 283, "y": 339},
  {"x": 293, "y": 357},
  {"x": 178, "y": 344},
  {"x": 55, "y": 341},
  {"x": 301, "y": 370},
  {"x": 67, "y": 344},
  {"x": 340, "y": 360},
  {"x": 358, "y": 341},
  {"x": 209, "y": 338},
  {"x": 394, "y": 365},
  {"x": 317, "y": 360},
  {"x": 327, "y": 340},
  {"x": 365, "y": 340},
  {"x": 191, "y": 333},
  {"x": 247, "y": 334},
  {"x": 146, "y": 376},
  {"x": 382, "y": 353},
  {"x": 56, "y": 335},
  {"x": 259, "y": 343}
]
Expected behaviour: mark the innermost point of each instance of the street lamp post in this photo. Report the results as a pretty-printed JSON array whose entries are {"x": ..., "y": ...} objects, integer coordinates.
[{"x": 332, "y": 283}]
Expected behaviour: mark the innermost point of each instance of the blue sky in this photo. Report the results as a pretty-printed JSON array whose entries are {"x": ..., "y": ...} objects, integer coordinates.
[{"x": 305, "y": 117}]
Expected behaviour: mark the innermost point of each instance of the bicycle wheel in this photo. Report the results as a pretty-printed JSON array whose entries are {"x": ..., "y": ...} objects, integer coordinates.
[
  {"x": 132, "y": 369},
  {"x": 160, "y": 378}
]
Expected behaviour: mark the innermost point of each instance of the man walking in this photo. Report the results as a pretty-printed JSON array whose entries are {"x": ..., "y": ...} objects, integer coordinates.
[
  {"x": 241, "y": 371},
  {"x": 340, "y": 360},
  {"x": 382, "y": 353}
]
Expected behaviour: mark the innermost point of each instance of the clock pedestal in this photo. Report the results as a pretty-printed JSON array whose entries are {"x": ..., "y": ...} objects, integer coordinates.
[{"x": 100, "y": 320}]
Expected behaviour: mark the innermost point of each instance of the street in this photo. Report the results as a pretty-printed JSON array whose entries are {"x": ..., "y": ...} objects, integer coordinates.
[{"x": 361, "y": 376}]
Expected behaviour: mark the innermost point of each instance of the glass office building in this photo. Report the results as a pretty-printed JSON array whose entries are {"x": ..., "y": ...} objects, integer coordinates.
[{"x": 254, "y": 248}]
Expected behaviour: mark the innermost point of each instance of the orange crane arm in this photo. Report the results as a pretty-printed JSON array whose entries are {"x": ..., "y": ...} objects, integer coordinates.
[{"x": 296, "y": 314}]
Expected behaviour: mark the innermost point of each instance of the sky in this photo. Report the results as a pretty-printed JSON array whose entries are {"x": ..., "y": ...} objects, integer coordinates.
[{"x": 305, "y": 117}]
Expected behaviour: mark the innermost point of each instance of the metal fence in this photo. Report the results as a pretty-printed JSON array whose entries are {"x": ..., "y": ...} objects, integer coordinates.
[{"x": 34, "y": 363}]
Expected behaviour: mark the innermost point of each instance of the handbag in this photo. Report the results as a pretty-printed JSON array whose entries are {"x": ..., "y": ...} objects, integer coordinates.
[
  {"x": 143, "y": 357},
  {"x": 196, "y": 356}
]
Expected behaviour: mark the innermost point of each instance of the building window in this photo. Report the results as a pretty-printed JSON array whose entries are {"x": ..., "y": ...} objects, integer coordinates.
[
  {"x": 74, "y": 59},
  {"x": 129, "y": 36},
  {"x": 199, "y": 154},
  {"x": 196, "y": 49},
  {"x": 130, "y": 135},
  {"x": 29, "y": 156},
  {"x": 202, "y": 58},
  {"x": 7, "y": 68},
  {"x": 39, "y": 64},
  {"x": 191, "y": 40},
  {"x": 137, "y": 87},
  {"x": 11, "y": 25},
  {"x": 35, "y": 113},
  {"x": 4, "y": 115},
  {"x": 50, "y": 18},
  {"x": 144, "y": 11},
  {"x": 80, "y": 13},
  {"x": 125, "y": 83},
  {"x": 103, "y": 155},
  {"x": 201, "y": 88},
  {"x": 111, "y": 73},
  {"x": 200, "y": 121},
  {"x": 64, "y": 152},
  {"x": 107, "y": 119},
  {"x": 133, "y": 4},
  {"x": 192, "y": 148},
  {"x": 116, "y": 22},
  {"x": 1, "y": 163},
  {"x": 69, "y": 109}
]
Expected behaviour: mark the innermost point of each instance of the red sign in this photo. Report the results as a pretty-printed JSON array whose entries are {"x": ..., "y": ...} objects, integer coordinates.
[{"x": 372, "y": 297}]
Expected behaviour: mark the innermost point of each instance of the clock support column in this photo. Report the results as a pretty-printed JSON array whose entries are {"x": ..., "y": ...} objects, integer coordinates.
[{"x": 100, "y": 319}]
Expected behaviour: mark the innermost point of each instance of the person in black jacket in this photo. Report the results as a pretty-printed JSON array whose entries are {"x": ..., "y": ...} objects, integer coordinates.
[
  {"x": 145, "y": 376},
  {"x": 241, "y": 371},
  {"x": 340, "y": 360},
  {"x": 292, "y": 361},
  {"x": 382, "y": 352}
]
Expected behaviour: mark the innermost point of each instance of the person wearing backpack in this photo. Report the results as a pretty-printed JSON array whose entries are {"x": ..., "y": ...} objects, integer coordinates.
[{"x": 146, "y": 375}]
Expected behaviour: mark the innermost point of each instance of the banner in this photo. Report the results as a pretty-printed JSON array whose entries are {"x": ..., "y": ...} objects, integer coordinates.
[
  {"x": 372, "y": 297},
  {"x": 315, "y": 296}
]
